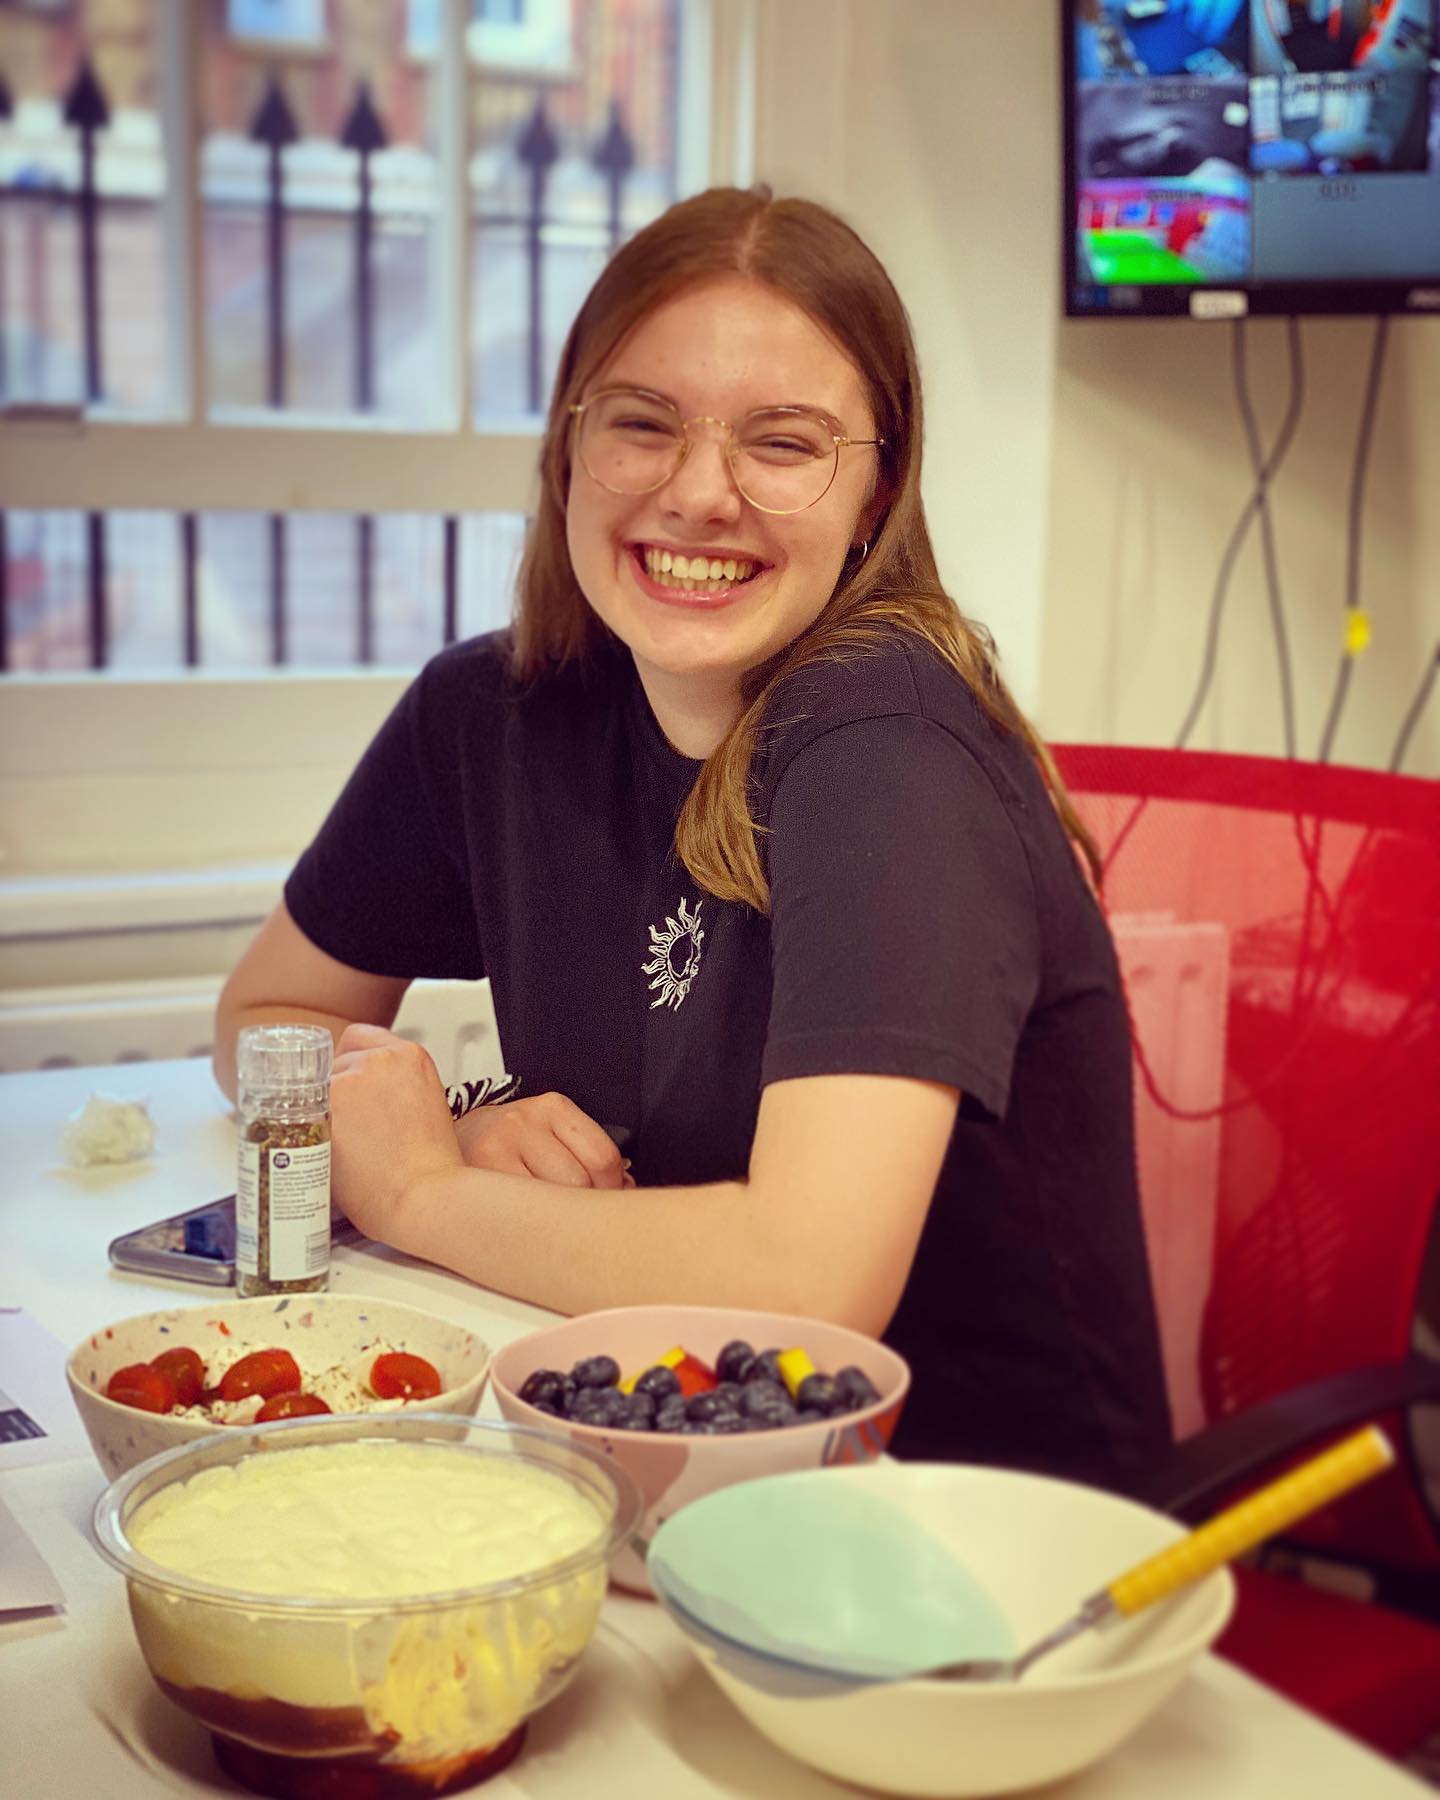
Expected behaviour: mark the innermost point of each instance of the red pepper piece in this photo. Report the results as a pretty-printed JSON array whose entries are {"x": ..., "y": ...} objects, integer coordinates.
[{"x": 695, "y": 1377}]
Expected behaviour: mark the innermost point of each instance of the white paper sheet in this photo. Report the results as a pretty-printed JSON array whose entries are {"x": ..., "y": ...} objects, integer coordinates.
[
  {"x": 25, "y": 1578},
  {"x": 38, "y": 1420}
]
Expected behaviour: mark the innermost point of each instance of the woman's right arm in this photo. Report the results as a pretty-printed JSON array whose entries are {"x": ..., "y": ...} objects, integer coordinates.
[{"x": 284, "y": 979}]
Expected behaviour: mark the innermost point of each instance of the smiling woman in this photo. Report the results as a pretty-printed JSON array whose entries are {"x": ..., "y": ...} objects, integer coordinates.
[{"x": 764, "y": 866}]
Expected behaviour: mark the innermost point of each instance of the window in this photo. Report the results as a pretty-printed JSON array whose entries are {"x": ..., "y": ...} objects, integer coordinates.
[{"x": 273, "y": 400}]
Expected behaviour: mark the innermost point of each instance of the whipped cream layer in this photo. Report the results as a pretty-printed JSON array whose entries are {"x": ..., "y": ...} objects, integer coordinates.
[{"x": 356, "y": 1521}]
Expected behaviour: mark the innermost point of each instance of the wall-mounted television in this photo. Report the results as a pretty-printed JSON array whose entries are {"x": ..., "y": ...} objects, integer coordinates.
[{"x": 1261, "y": 156}]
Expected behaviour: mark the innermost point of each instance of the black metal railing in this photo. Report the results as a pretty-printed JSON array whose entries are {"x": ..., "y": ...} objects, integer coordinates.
[
  {"x": 78, "y": 588},
  {"x": 537, "y": 148}
]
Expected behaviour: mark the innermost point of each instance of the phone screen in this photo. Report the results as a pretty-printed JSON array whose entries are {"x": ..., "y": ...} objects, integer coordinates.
[{"x": 198, "y": 1245}]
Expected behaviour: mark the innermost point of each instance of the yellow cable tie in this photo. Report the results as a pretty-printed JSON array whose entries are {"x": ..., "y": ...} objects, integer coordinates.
[{"x": 1357, "y": 631}]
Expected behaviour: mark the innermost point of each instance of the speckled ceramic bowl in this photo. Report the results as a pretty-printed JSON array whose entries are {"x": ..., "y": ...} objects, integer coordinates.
[
  {"x": 317, "y": 1329},
  {"x": 672, "y": 1471}
]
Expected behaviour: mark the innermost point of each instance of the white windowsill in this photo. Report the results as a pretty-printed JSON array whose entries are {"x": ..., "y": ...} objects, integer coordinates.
[{"x": 80, "y": 903}]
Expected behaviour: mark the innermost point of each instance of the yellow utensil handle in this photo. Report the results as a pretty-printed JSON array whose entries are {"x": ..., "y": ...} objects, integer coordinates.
[{"x": 1238, "y": 1528}]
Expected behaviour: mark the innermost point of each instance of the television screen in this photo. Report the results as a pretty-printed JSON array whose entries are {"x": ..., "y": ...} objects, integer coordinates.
[{"x": 1267, "y": 156}]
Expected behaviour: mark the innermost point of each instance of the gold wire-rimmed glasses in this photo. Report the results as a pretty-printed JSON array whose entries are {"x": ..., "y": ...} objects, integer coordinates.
[{"x": 781, "y": 458}]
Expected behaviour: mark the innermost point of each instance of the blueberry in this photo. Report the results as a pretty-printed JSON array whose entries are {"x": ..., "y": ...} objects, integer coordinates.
[
  {"x": 545, "y": 1407},
  {"x": 597, "y": 1406},
  {"x": 762, "y": 1394},
  {"x": 734, "y": 1360},
  {"x": 634, "y": 1412},
  {"x": 820, "y": 1392},
  {"x": 766, "y": 1367},
  {"x": 771, "y": 1418},
  {"x": 658, "y": 1381},
  {"x": 726, "y": 1422},
  {"x": 857, "y": 1388},
  {"x": 596, "y": 1372},
  {"x": 731, "y": 1393},
  {"x": 807, "y": 1415},
  {"x": 670, "y": 1415},
  {"x": 699, "y": 1428},
  {"x": 705, "y": 1406},
  {"x": 545, "y": 1387}
]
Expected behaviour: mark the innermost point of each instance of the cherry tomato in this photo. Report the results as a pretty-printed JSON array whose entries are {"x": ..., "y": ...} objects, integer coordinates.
[
  {"x": 263, "y": 1372},
  {"x": 186, "y": 1370},
  {"x": 399, "y": 1376},
  {"x": 140, "y": 1385},
  {"x": 291, "y": 1406}
]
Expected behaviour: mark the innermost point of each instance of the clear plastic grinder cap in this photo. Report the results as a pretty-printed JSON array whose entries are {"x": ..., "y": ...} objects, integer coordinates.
[{"x": 284, "y": 1058}]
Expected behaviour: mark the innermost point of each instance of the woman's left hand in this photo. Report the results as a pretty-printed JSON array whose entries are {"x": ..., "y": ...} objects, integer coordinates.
[{"x": 390, "y": 1128}]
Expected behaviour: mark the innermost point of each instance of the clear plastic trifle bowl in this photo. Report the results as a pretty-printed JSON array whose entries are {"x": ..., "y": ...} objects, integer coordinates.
[{"x": 362, "y": 1605}]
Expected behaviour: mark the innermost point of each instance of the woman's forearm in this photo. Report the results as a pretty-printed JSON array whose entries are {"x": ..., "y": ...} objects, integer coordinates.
[{"x": 578, "y": 1250}]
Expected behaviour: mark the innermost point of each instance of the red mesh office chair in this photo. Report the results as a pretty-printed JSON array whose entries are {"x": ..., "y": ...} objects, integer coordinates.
[{"x": 1307, "y": 1174}]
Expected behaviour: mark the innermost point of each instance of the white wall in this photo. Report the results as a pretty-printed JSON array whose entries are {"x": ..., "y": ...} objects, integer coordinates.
[{"x": 1082, "y": 477}]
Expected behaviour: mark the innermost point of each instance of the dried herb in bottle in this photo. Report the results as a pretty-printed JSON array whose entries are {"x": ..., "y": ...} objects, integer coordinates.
[{"x": 282, "y": 1188}]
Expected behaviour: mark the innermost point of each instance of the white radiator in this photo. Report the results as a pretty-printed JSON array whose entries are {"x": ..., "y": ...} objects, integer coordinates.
[
  {"x": 141, "y": 1021},
  {"x": 1177, "y": 977}
]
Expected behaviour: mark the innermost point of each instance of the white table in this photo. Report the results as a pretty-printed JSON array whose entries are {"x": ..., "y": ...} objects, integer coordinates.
[{"x": 79, "y": 1715}]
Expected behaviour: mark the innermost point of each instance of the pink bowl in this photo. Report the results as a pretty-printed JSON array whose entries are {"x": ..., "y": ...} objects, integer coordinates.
[{"x": 671, "y": 1470}]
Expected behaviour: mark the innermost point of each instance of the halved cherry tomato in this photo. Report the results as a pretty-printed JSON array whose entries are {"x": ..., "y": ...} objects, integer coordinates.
[
  {"x": 263, "y": 1372},
  {"x": 141, "y": 1386},
  {"x": 399, "y": 1376},
  {"x": 185, "y": 1369},
  {"x": 291, "y": 1406}
]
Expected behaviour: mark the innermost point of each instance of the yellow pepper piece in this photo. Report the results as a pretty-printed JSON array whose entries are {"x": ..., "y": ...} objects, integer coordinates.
[
  {"x": 674, "y": 1355},
  {"x": 794, "y": 1366}
]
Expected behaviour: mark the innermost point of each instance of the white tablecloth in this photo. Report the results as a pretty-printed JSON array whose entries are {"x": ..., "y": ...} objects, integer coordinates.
[{"x": 79, "y": 1716}]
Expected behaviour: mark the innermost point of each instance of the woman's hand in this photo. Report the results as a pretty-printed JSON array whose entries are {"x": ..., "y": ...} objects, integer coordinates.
[
  {"x": 548, "y": 1137},
  {"x": 390, "y": 1128}
]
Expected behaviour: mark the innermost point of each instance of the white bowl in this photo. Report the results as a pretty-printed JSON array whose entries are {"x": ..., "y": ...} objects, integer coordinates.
[
  {"x": 766, "y": 1581},
  {"x": 318, "y": 1329}
]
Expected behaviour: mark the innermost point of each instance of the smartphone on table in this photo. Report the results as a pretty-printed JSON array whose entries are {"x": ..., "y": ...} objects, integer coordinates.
[{"x": 198, "y": 1245}]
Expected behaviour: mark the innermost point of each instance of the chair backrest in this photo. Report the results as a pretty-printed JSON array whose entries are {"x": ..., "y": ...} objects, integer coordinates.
[{"x": 1324, "y": 885}]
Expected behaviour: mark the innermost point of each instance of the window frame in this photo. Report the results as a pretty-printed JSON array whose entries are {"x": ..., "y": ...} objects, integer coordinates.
[{"x": 71, "y": 459}]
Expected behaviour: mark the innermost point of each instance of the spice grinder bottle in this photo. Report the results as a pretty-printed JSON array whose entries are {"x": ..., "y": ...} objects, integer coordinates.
[{"x": 282, "y": 1184}]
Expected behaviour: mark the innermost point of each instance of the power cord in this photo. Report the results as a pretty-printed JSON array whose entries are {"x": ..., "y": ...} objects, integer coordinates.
[
  {"x": 1256, "y": 502},
  {"x": 1357, "y": 623},
  {"x": 1258, "y": 463},
  {"x": 1412, "y": 717}
]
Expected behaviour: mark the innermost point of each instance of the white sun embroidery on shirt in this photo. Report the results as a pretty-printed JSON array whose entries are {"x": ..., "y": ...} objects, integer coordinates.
[{"x": 675, "y": 959}]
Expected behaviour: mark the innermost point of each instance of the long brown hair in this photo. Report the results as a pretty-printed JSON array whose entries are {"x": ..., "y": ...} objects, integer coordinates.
[{"x": 814, "y": 259}]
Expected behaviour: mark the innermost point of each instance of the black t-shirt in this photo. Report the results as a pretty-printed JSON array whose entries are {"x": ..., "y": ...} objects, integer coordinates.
[{"x": 928, "y": 919}]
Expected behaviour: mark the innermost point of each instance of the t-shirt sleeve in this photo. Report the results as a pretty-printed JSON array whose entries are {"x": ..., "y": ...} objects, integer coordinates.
[
  {"x": 384, "y": 886},
  {"x": 904, "y": 933}
]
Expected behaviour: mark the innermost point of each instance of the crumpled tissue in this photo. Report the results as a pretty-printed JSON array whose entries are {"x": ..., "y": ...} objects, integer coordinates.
[{"x": 107, "y": 1130}]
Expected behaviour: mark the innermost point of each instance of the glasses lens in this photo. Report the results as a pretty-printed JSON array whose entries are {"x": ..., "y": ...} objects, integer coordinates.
[
  {"x": 785, "y": 459},
  {"x": 629, "y": 442}
]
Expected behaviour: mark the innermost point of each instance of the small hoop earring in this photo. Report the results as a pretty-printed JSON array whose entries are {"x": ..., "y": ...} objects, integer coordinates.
[{"x": 864, "y": 550}]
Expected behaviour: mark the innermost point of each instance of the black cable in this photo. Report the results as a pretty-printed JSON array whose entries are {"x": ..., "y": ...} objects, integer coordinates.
[
  {"x": 1354, "y": 529},
  {"x": 1267, "y": 536},
  {"x": 1412, "y": 717},
  {"x": 1257, "y": 498}
]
